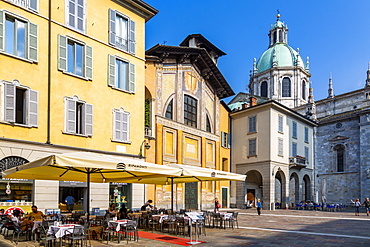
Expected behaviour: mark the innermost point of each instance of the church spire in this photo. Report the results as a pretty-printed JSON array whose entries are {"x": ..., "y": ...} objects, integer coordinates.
[
  {"x": 330, "y": 90},
  {"x": 368, "y": 76},
  {"x": 278, "y": 32}
]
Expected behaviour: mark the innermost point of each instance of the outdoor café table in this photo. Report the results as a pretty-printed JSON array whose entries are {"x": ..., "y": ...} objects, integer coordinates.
[
  {"x": 36, "y": 224},
  {"x": 117, "y": 224},
  {"x": 160, "y": 217},
  {"x": 62, "y": 230}
]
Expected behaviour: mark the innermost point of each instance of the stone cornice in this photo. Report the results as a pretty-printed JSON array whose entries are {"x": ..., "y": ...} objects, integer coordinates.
[{"x": 197, "y": 132}]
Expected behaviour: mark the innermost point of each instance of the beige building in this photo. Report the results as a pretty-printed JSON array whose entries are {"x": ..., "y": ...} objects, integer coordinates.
[{"x": 273, "y": 146}]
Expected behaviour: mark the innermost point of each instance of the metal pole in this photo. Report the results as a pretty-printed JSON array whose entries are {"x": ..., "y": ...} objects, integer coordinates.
[
  {"x": 172, "y": 194},
  {"x": 88, "y": 195}
]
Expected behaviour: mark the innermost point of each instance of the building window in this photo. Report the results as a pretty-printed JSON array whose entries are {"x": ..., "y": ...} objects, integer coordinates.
[
  {"x": 339, "y": 150},
  {"x": 190, "y": 111},
  {"x": 27, "y": 4},
  {"x": 169, "y": 110},
  {"x": 78, "y": 117},
  {"x": 121, "y": 74},
  {"x": 74, "y": 57},
  {"x": 281, "y": 129},
  {"x": 305, "y": 134},
  {"x": 252, "y": 121},
  {"x": 20, "y": 104},
  {"x": 252, "y": 147},
  {"x": 18, "y": 36},
  {"x": 122, "y": 31},
  {"x": 306, "y": 153},
  {"x": 208, "y": 124},
  {"x": 264, "y": 89},
  {"x": 280, "y": 147},
  {"x": 303, "y": 90},
  {"x": 121, "y": 125},
  {"x": 294, "y": 130},
  {"x": 76, "y": 14},
  {"x": 286, "y": 87},
  {"x": 294, "y": 149},
  {"x": 225, "y": 139}
]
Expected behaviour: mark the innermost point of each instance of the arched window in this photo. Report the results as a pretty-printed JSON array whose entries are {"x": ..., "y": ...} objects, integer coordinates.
[
  {"x": 208, "y": 124},
  {"x": 190, "y": 111},
  {"x": 264, "y": 89},
  {"x": 339, "y": 150},
  {"x": 286, "y": 87},
  {"x": 169, "y": 110},
  {"x": 303, "y": 90}
]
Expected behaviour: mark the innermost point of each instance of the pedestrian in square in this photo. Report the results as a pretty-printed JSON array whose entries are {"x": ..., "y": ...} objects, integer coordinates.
[
  {"x": 357, "y": 206},
  {"x": 259, "y": 206},
  {"x": 367, "y": 206}
]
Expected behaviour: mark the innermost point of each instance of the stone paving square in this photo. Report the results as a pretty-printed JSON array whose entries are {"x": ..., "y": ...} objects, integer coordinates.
[{"x": 273, "y": 228}]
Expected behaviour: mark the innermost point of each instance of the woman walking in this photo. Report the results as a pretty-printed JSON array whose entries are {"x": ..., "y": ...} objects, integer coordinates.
[
  {"x": 259, "y": 206},
  {"x": 217, "y": 205}
]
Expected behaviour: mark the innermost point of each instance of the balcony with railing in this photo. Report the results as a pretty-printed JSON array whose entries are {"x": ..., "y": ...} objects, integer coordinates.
[{"x": 297, "y": 162}]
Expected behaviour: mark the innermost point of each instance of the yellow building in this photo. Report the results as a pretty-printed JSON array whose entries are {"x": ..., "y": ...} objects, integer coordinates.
[
  {"x": 185, "y": 120},
  {"x": 72, "y": 80}
]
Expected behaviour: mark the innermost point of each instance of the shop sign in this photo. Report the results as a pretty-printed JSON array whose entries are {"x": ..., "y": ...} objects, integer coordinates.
[{"x": 9, "y": 211}]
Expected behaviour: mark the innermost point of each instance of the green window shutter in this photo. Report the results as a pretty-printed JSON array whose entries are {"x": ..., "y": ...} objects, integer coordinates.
[
  {"x": 88, "y": 62},
  {"x": 132, "y": 78},
  {"x": 32, "y": 108},
  {"x": 125, "y": 126},
  {"x": 70, "y": 115},
  {"x": 111, "y": 70},
  {"x": 1, "y": 30},
  {"x": 9, "y": 104},
  {"x": 117, "y": 125},
  {"x": 132, "y": 42},
  {"x": 62, "y": 52},
  {"x": 112, "y": 27},
  {"x": 32, "y": 41},
  {"x": 88, "y": 123}
]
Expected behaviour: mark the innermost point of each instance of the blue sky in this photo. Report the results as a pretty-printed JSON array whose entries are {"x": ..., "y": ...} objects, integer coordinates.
[{"x": 335, "y": 34}]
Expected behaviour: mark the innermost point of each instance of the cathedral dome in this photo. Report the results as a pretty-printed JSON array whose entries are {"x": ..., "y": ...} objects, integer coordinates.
[{"x": 279, "y": 55}]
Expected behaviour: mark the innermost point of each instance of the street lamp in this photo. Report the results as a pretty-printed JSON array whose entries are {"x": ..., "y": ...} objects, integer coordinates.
[{"x": 145, "y": 145}]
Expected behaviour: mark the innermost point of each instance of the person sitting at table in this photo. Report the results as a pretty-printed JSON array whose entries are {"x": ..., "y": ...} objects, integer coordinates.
[
  {"x": 112, "y": 211},
  {"x": 35, "y": 215},
  {"x": 147, "y": 204},
  {"x": 122, "y": 214},
  {"x": 22, "y": 223}
]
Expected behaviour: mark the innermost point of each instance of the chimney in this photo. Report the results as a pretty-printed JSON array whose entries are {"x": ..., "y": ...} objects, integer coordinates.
[
  {"x": 252, "y": 101},
  {"x": 244, "y": 105}
]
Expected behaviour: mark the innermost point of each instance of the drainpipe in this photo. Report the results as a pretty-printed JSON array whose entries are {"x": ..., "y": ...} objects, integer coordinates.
[{"x": 49, "y": 76}]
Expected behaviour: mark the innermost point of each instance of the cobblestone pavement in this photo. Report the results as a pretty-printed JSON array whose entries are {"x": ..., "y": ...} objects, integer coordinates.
[{"x": 273, "y": 228}]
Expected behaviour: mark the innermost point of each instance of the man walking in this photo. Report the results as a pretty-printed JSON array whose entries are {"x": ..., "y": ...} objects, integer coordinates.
[{"x": 367, "y": 206}]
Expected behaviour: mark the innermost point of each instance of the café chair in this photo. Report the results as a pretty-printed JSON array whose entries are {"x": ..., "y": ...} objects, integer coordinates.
[
  {"x": 130, "y": 231},
  {"x": 180, "y": 224},
  {"x": 77, "y": 235},
  {"x": 46, "y": 238}
]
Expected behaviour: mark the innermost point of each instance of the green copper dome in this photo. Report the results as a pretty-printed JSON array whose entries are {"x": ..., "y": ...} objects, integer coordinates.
[{"x": 285, "y": 56}]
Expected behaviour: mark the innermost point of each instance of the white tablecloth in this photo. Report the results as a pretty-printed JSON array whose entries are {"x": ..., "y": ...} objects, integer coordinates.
[
  {"x": 160, "y": 217},
  {"x": 117, "y": 223},
  {"x": 60, "y": 231}
]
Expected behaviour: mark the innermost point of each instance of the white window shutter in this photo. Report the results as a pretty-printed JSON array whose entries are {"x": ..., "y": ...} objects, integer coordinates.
[
  {"x": 132, "y": 43},
  {"x": 132, "y": 78},
  {"x": 71, "y": 8},
  {"x": 9, "y": 104},
  {"x": 111, "y": 70},
  {"x": 88, "y": 62},
  {"x": 125, "y": 126},
  {"x": 1, "y": 30},
  {"x": 228, "y": 140},
  {"x": 222, "y": 139},
  {"x": 117, "y": 125},
  {"x": 62, "y": 52},
  {"x": 32, "y": 42},
  {"x": 70, "y": 115},
  {"x": 88, "y": 119},
  {"x": 112, "y": 27},
  {"x": 32, "y": 108}
]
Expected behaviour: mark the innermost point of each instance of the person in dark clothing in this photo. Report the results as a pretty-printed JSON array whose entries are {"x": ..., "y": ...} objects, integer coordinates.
[
  {"x": 147, "y": 204},
  {"x": 122, "y": 213},
  {"x": 259, "y": 206}
]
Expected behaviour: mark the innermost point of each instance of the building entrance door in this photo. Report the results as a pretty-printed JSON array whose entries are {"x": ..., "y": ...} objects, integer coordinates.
[{"x": 225, "y": 196}]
